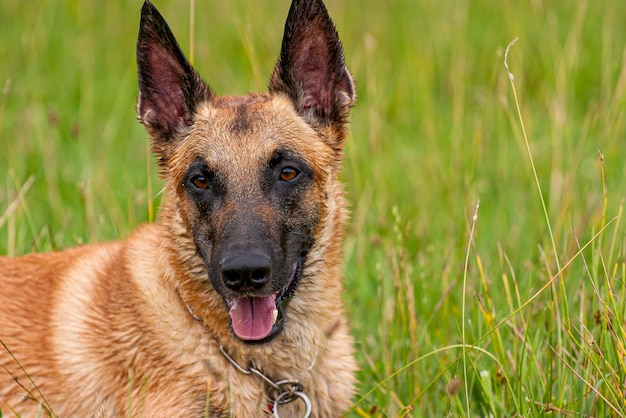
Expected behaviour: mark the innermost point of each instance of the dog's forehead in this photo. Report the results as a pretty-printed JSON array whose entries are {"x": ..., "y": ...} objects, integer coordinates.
[{"x": 257, "y": 126}]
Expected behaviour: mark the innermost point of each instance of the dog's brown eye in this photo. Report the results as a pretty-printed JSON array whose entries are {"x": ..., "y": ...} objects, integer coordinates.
[
  {"x": 200, "y": 182},
  {"x": 288, "y": 174}
]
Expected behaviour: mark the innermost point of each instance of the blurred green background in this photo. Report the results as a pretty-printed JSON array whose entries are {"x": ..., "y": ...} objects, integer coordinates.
[{"x": 435, "y": 131}]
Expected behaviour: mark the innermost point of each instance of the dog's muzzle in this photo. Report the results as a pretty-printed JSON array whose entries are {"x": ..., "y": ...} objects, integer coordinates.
[{"x": 259, "y": 319}]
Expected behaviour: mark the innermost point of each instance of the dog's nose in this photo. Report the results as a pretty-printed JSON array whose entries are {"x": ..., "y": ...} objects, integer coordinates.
[{"x": 246, "y": 271}]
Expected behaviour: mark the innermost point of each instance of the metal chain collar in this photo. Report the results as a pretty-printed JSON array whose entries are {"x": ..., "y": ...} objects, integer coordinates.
[{"x": 281, "y": 392}]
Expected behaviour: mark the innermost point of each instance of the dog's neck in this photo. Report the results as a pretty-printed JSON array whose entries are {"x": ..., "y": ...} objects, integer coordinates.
[{"x": 279, "y": 391}]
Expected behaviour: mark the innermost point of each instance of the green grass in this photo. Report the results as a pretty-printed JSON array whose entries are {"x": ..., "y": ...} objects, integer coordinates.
[{"x": 514, "y": 309}]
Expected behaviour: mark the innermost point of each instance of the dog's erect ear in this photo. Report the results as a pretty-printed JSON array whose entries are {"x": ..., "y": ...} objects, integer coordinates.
[
  {"x": 169, "y": 88},
  {"x": 311, "y": 69}
]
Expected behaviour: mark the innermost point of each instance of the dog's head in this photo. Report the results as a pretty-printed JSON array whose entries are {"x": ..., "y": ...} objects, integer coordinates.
[{"x": 251, "y": 179}]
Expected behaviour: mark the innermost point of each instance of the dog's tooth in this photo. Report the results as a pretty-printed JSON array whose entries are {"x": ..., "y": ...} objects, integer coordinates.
[{"x": 274, "y": 315}]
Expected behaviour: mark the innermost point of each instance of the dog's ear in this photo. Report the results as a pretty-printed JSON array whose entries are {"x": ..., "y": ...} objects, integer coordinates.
[
  {"x": 169, "y": 88},
  {"x": 311, "y": 70}
]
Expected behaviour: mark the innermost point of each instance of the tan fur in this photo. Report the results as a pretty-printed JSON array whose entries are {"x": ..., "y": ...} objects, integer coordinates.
[
  {"x": 112, "y": 319},
  {"x": 134, "y": 328}
]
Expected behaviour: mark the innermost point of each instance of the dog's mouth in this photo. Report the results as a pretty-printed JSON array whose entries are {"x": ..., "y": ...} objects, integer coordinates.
[{"x": 260, "y": 319}]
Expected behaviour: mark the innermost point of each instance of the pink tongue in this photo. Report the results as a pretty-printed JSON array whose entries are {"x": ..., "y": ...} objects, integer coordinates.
[{"x": 253, "y": 318}]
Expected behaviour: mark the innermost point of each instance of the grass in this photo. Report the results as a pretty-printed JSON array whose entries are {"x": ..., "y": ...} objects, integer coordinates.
[{"x": 511, "y": 307}]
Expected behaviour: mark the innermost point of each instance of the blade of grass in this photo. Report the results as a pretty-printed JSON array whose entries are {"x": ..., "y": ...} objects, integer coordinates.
[{"x": 463, "y": 311}]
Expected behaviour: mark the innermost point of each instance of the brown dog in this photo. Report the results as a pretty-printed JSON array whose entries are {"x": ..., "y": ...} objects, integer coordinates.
[{"x": 243, "y": 263}]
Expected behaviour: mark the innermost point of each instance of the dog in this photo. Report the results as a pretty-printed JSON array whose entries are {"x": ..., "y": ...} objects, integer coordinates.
[{"x": 230, "y": 304}]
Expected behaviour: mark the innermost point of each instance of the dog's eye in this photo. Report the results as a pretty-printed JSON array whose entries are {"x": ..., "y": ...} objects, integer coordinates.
[
  {"x": 289, "y": 174},
  {"x": 200, "y": 182}
]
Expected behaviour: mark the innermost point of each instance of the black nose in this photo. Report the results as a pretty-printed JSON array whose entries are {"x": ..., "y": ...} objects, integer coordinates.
[{"x": 246, "y": 271}]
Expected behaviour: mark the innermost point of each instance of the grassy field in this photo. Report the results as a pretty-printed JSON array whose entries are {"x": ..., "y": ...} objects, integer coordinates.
[{"x": 486, "y": 255}]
